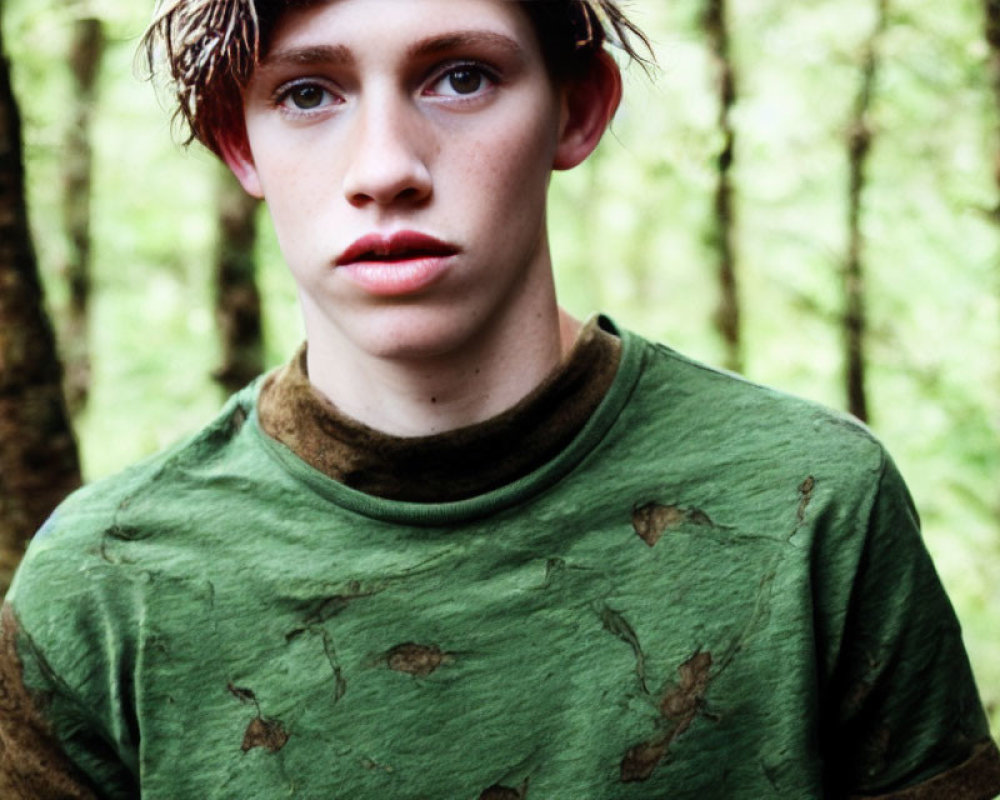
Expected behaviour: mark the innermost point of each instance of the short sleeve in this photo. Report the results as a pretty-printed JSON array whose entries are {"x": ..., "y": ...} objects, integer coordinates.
[
  {"x": 33, "y": 762},
  {"x": 57, "y": 736},
  {"x": 902, "y": 713}
]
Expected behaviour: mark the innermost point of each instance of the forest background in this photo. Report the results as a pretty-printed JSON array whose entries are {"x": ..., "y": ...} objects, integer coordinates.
[{"x": 805, "y": 192}]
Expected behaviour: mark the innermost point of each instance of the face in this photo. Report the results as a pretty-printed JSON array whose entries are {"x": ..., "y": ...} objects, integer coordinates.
[{"x": 404, "y": 148}]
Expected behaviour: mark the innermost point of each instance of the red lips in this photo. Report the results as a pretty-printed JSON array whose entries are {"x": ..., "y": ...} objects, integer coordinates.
[
  {"x": 396, "y": 265},
  {"x": 401, "y": 246}
]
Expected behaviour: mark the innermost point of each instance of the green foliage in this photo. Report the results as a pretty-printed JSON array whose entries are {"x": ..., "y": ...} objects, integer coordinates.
[{"x": 629, "y": 232}]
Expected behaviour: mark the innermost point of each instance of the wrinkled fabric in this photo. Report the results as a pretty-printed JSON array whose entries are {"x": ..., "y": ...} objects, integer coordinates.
[
  {"x": 713, "y": 590},
  {"x": 32, "y": 762}
]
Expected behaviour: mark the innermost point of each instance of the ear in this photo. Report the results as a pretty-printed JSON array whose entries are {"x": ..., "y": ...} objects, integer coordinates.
[
  {"x": 589, "y": 103},
  {"x": 235, "y": 152}
]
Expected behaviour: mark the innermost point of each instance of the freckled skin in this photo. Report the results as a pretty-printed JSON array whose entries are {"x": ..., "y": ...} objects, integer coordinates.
[
  {"x": 388, "y": 158},
  {"x": 375, "y": 121}
]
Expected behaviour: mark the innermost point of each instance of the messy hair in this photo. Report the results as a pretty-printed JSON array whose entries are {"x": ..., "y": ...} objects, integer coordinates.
[{"x": 209, "y": 49}]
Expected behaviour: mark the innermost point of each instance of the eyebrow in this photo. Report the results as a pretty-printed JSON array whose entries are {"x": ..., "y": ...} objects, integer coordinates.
[
  {"x": 337, "y": 55},
  {"x": 458, "y": 40},
  {"x": 306, "y": 56}
]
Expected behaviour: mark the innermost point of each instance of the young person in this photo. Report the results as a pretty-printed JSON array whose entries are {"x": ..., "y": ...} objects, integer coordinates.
[{"x": 462, "y": 545}]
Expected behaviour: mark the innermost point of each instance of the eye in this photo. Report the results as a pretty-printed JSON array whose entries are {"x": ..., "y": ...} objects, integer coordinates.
[
  {"x": 305, "y": 96},
  {"x": 462, "y": 80}
]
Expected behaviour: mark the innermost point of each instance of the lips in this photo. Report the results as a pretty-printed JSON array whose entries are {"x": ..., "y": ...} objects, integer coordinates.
[
  {"x": 402, "y": 246},
  {"x": 403, "y": 263}
]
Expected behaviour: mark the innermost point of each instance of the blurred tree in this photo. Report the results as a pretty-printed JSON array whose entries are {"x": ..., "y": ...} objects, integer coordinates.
[
  {"x": 38, "y": 456},
  {"x": 85, "y": 54},
  {"x": 859, "y": 143},
  {"x": 992, "y": 31},
  {"x": 723, "y": 232},
  {"x": 237, "y": 298}
]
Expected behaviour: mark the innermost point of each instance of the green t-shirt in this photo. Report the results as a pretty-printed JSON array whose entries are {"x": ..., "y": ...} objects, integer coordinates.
[{"x": 713, "y": 591}]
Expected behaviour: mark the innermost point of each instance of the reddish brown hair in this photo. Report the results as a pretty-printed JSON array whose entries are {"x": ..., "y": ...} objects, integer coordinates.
[{"x": 211, "y": 47}]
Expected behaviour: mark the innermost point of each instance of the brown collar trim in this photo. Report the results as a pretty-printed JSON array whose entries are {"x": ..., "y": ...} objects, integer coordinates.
[
  {"x": 448, "y": 466},
  {"x": 974, "y": 779}
]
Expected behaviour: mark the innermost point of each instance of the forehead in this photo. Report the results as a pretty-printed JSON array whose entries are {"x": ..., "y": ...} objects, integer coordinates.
[{"x": 361, "y": 26}]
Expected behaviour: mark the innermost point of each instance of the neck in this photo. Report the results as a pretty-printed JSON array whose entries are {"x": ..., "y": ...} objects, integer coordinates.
[{"x": 433, "y": 392}]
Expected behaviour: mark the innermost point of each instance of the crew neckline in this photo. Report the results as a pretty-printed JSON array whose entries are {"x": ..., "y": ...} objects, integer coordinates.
[{"x": 542, "y": 476}]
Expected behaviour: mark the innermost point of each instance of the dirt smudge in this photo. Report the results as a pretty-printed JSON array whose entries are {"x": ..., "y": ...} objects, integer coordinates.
[
  {"x": 682, "y": 703},
  {"x": 419, "y": 660},
  {"x": 267, "y": 733},
  {"x": 340, "y": 682},
  {"x": 262, "y": 731},
  {"x": 651, "y": 520},
  {"x": 497, "y": 792},
  {"x": 679, "y": 706},
  {"x": 640, "y": 760},
  {"x": 616, "y": 624},
  {"x": 805, "y": 497},
  {"x": 327, "y": 608}
]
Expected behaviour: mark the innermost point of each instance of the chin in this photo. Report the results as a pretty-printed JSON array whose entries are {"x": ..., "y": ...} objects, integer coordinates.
[{"x": 412, "y": 334}]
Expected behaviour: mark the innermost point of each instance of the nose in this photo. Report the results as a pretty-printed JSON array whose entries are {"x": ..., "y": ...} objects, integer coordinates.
[{"x": 385, "y": 162}]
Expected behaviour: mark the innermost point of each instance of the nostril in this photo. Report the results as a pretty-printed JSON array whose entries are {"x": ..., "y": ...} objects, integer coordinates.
[
  {"x": 359, "y": 199},
  {"x": 410, "y": 193}
]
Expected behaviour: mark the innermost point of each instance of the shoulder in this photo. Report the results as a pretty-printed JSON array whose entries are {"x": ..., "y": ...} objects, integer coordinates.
[
  {"x": 742, "y": 422},
  {"x": 71, "y": 552}
]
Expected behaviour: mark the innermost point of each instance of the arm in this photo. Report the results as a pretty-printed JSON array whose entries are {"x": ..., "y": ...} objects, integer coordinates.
[
  {"x": 32, "y": 761},
  {"x": 904, "y": 718}
]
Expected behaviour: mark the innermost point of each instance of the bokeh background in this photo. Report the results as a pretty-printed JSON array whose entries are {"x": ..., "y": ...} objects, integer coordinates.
[{"x": 636, "y": 234}]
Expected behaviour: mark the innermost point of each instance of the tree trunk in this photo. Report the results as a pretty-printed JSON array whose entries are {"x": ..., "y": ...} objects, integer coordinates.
[
  {"x": 859, "y": 143},
  {"x": 84, "y": 60},
  {"x": 237, "y": 298},
  {"x": 723, "y": 230},
  {"x": 38, "y": 457}
]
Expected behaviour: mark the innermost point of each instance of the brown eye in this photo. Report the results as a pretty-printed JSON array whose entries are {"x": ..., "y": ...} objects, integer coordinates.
[
  {"x": 465, "y": 80},
  {"x": 306, "y": 97}
]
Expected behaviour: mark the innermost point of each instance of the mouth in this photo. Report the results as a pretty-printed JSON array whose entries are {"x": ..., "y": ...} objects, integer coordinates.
[
  {"x": 396, "y": 247},
  {"x": 401, "y": 264}
]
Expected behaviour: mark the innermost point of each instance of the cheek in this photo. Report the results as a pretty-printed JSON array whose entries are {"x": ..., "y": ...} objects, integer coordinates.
[
  {"x": 299, "y": 231},
  {"x": 290, "y": 169},
  {"x": 515, "y": 164},
  {"x": 523, "y": 180},
  {"x": 296, "y": 202}
]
